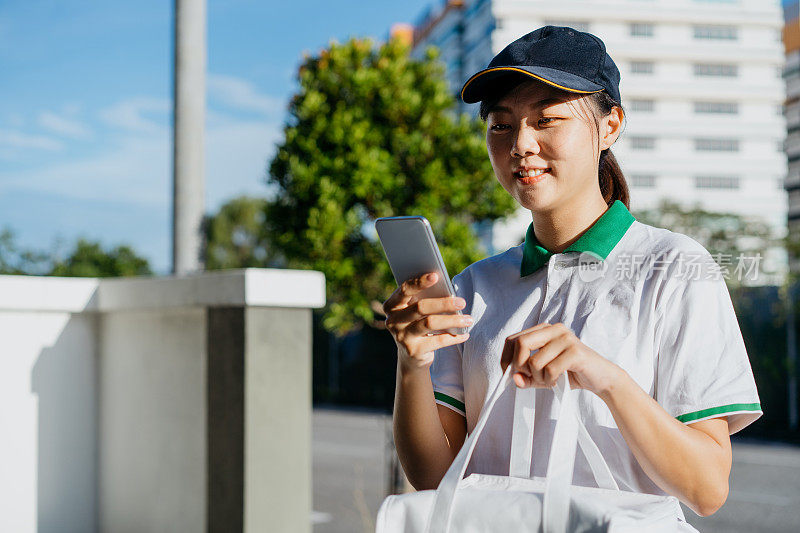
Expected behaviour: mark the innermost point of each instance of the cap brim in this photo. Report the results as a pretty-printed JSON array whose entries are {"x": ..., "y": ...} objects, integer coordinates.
[{"x": 481, "y": 84}]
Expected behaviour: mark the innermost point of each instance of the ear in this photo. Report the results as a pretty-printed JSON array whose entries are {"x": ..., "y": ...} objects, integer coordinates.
[{"x": 611, "y": 127}]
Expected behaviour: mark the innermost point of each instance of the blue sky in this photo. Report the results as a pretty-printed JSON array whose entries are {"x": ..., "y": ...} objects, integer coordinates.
[{"x": 85, "y": 92}]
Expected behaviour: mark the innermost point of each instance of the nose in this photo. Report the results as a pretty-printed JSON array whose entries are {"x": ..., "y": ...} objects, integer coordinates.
[{"x": 525, "y": 142}]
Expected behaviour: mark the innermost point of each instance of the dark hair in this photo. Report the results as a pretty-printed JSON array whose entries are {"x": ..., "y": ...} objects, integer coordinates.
[{"x": 613, "y": 185}]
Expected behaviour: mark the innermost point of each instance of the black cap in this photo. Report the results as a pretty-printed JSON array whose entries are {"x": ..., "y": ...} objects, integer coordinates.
[{"x": 566, "y": 58}]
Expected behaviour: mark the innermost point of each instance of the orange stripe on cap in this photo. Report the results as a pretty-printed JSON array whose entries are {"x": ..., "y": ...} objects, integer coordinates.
[{"x": 515, "y": 69}]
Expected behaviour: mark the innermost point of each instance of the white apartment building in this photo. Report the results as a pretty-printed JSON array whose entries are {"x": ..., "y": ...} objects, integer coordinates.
[
  {"x": 791, "y": 40},
  {"x": 702, "y": 84}
]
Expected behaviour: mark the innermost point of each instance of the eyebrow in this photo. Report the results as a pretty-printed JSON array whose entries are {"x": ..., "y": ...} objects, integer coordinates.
[{"x": 540, "y": 103}]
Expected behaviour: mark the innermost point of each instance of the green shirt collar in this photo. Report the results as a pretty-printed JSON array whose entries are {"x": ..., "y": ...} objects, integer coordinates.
[{"x": 600, "y": 238}]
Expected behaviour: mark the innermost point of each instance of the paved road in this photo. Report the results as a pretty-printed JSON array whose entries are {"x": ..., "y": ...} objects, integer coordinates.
[{"x": 351, "y": 476}]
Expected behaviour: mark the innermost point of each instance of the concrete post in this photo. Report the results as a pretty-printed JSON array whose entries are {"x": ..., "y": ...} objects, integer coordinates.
[
  {"x": 188, "y": 144},
  {"x": 259, "y": 428}
]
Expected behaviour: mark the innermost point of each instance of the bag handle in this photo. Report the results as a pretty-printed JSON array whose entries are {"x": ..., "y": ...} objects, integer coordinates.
[
  {"x": 522, "y": 442},
  {"x": 561, "y": 465},
  {"x": 559, "y": 469},
  {"x": 442, "y": 509}
]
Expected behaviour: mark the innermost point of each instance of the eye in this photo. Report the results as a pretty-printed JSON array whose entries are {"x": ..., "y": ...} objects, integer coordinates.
[
  {"x": 544, "y": 121},
  {"x": 499, "y": 127}
]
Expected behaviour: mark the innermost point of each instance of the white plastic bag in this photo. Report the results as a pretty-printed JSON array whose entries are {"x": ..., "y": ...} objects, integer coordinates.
[{"x": 487, "y": 503}]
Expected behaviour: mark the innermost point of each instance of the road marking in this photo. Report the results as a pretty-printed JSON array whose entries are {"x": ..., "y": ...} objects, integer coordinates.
[{"x": 318, "y": 517}]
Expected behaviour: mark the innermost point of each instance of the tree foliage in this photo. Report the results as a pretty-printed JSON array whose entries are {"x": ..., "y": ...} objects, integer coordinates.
[
  {"x": 90, "y": 260},
  {"x": 17, "y": 260},
  {"x": 86, "y": 259},
  {"x": 236, "y": 236},
  {"x": 372, "y": 132},
  {"x": 722, "y": 234}
]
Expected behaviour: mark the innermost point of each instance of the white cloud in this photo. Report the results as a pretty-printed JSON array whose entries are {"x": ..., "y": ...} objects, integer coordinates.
[
  {"x": 138, "y": 167},
  {"x": 17, "y": 140},
  {"x": 237, "y": 154},
  {"x": 65, "y": 126},
  {"x": 72, "y": 108},
  {"x": 16, "y": 120},
  {"x": 238, "y": 93},
  {"x": 134, "y": 170},
  {"x": 136, "y": 115}
]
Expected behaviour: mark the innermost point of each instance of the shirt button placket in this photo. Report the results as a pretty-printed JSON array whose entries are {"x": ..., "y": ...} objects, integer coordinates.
[{"x": 555, "y": 269}]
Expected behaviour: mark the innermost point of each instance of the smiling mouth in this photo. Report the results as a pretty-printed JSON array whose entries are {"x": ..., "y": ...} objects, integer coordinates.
[{"x": 531, "y": 176}]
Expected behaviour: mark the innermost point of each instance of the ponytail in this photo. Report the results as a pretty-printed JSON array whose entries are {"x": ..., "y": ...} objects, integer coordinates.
[{"x": 613, "y": 185}]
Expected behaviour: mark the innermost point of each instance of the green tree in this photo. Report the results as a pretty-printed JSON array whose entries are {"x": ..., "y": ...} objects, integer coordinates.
[
  {"x": 236, "y": 237},
  {"x": 372, "y": 132},
  {"x": 88, "y": 259},
  {"x": 728, "y": 234},
  {"x": 17, "y": 260}
]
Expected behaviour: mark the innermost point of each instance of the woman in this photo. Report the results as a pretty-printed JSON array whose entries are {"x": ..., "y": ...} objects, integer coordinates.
[{"x": 656, "y": 353}]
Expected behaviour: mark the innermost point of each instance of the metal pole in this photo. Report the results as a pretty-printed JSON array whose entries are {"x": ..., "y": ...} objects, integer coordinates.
[{"x": 189, "y": 101}]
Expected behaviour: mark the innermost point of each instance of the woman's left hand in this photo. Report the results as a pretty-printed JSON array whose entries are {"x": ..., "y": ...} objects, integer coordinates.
[{"x": 559, "y": 350}]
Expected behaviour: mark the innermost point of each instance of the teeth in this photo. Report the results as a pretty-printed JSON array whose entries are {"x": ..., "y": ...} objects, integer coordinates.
[{"x": 532, "y": 173}]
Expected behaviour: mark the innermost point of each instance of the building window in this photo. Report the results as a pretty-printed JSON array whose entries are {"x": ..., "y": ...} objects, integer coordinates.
[
  {"x": 716, "y": 145},
  {"x": 716, "y": 182},
  {"x": 642, "y": 67},
  {"x": 716, "y": 32},
  {"x": 644, "y": 181},
  {"x": 580, "y": 25},
  {"x": 642, "y": 106},
  {"x": 643, "y": 143},
  {"x": 716, "y": 69},
  {"x": 641, "y": 29},
  {"x": 716, "y": 108}
]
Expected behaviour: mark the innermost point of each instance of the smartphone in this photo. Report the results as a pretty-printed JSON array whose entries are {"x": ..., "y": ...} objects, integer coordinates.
[{"x": 411, "y": 250}]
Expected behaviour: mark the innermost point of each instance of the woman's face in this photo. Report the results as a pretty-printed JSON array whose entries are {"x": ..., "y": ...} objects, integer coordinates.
[{"x": 544, "y": 146}]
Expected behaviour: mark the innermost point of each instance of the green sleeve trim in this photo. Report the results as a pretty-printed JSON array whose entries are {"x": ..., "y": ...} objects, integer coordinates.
[
  {"x": 705, "y": 413},
  {"x": 448, "y": 400}
]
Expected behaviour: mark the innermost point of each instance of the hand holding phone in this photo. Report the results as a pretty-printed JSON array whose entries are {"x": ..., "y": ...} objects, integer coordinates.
[
  {"x": 412, "y": 326},
  {"x": 411, "y": 250}
]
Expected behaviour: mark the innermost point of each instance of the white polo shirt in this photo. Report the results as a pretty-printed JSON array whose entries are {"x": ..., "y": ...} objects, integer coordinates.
[{"x": 651, "y": 300}]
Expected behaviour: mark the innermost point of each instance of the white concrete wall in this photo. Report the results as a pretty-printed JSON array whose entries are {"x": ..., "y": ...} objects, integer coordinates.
[
  {"x": 48, "y": 351},
  {"x": 103, "y": 395}
]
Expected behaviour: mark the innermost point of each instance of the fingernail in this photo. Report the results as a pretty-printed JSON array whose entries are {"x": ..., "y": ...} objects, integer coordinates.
[
  {"x": 430, "y": 277},
  {"x": 460, "y": 302}
]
